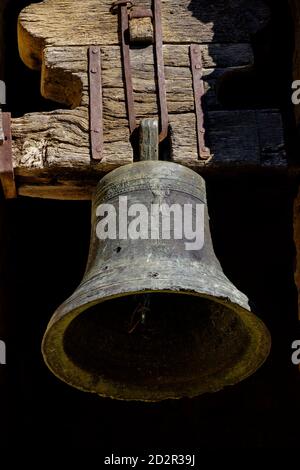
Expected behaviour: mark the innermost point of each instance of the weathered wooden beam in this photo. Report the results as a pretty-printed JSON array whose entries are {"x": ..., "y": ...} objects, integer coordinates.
[
  {"x": 62, "y": 23},
  {"x": 52, "y": 156},
  {"x": 60, "y": 139},
  {"x": 52, "y": 150},
  {"x": 64, "y": 74}
]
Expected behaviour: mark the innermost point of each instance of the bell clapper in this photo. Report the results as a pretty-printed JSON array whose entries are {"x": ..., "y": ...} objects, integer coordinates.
[{"x": 141, "y": 309}]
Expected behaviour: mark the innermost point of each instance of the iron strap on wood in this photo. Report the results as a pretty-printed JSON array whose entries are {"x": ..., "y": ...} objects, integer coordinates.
[
  {"x": 96, "y": 105},
  {"x": 123, "y": 6},
  {"x": 160, "y": 70},
  {"x": 198, "y": 86},
  {"x": 6, "y": 163}
]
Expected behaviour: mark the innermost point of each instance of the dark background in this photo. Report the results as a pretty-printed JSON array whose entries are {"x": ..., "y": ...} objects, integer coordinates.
[{"x": 44, "y": 245}]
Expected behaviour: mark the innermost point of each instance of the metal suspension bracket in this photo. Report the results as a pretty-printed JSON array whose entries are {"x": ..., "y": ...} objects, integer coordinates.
[
  {"x": 149, "y": 139},
  {"x": 126, "y": 11},
  {"x": 6, "y": 163},
  {"x": 198, "y": 86},
  {"x": 95, "y": 110}
]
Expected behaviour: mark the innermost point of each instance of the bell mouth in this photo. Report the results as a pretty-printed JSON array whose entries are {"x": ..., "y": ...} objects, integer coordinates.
[{"x": 156, "y": 345}]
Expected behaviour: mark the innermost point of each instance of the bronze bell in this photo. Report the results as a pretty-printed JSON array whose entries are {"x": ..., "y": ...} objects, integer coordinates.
[{"x": 153, "y": 318}]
